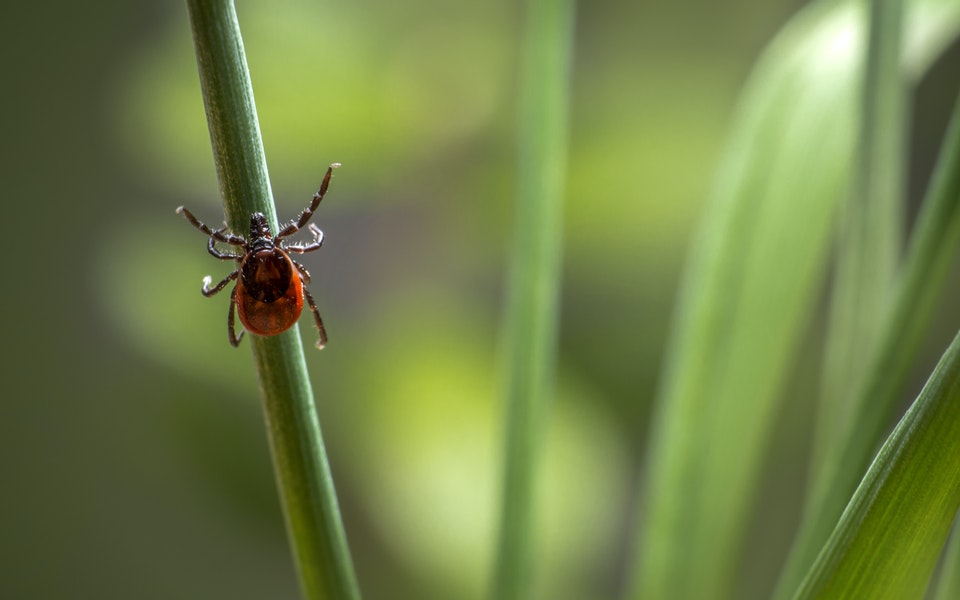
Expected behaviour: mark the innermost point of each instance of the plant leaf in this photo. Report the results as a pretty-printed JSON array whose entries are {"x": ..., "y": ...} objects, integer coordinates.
[
  {"x": 750, "y": 289},
  {"x": 891, "y": 534}
]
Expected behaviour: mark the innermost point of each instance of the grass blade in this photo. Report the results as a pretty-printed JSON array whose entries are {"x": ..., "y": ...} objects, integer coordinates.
[
  {"x": 749, "y": 289},
  {"x": 948, "y": 585},
  {"x": 891, "y": 534},
  {"x": 751, "y": 284},
  {"x": 533, "y": 284},
  {"x": 930, "y": 255},
  {"x": 303, "y": 475},
  {"x": 869, "y": 244}
]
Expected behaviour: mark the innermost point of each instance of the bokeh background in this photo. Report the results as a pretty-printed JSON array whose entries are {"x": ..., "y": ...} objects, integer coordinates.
[{"x": 132, "y": 448}]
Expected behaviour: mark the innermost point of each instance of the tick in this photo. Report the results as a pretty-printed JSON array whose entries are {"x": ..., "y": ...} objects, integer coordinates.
[{"x": 270, "y": 285}]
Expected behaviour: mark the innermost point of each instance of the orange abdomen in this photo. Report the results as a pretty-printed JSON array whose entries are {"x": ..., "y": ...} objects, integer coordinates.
[{"x": 269, "y": 294}]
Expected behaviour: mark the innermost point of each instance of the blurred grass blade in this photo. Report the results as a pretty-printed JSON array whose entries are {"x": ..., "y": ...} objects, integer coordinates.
[
  {"x": 533, "y": 285},
  {"x": 948, "y": 584},
  {"x": 868, "y": 247},
  {"x": 749, "y": 290},
  {"x": 930, "y": 255},
  {"x": 891, "y": 534},
  {"x": 305, "y": 484}
]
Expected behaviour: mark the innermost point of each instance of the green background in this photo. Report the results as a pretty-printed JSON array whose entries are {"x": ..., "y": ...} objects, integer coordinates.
[{"x": 132, "y": 446}]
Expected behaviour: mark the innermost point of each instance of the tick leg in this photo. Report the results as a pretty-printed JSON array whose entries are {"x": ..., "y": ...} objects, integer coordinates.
[
  {"x": 304, "y": 273},
  {"x": 295, "y": 226},
  {"x": 234, "y": 338},
  {"x": 227, "y": 238},
  {"x": 207, "y": 291},
  {"x": 212, "y": 248},
  {"x": 314, "y": 245},
  {"x": 316, "y": 315}
]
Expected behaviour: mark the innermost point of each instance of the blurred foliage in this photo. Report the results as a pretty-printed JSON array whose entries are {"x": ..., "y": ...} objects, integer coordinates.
[
  {"x": 752, "y": 287},
  {"x": 331, "y": 79},
  {"x": 418, "y": 106}
]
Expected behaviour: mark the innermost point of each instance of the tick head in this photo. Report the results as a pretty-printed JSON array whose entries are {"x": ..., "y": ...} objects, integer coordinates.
[{"x": 259, "y": 229}]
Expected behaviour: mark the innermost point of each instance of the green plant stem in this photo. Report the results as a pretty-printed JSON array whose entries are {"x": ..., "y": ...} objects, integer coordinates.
[
  {"x": 533, "y": 285},
  {"x": 303, "y": 475}
]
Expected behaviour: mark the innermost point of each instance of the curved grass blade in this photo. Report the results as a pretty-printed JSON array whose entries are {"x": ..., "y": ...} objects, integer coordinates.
[
  {"x": 893, "y": 531},
  {"x": 929, "y": 257},
  {"x": 868, "y": 247},
  {"x": 749, "y": 291}
]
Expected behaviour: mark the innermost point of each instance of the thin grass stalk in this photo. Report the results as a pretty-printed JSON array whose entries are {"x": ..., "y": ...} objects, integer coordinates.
[
  {"x": 533, "y": 284},
  {"x": 307, "y": 495}
]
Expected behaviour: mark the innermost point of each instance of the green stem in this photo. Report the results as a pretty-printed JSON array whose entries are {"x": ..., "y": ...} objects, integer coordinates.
[
  {"x": 303, "y": 475},
  {"x": 533, "y": 285}
]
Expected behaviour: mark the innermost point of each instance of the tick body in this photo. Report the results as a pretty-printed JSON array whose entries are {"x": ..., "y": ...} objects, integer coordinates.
[{"x": 269, "y": 292}]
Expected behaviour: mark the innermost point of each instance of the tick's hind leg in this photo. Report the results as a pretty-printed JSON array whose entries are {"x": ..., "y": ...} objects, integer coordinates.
[
  {"x": 234, "y": 338},
  {"x": 316, "y": 316},
  {"x": 304, "y": 273}
]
